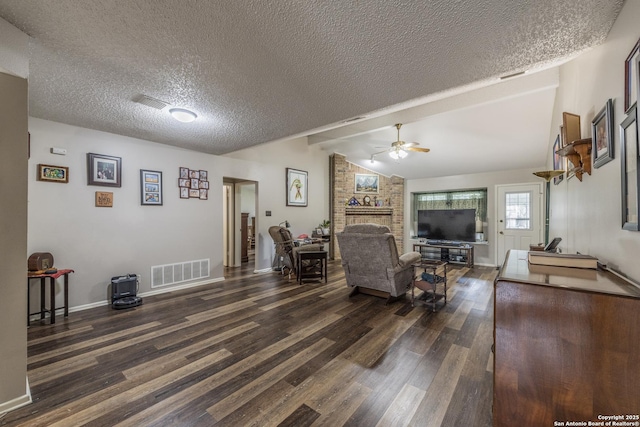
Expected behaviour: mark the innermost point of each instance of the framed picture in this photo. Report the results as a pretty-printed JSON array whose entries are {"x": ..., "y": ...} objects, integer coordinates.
[
  {"x": 297, "y": 182},
  {"x": 204, "y": 194},
  {"x": 570, "y": 127},
  {"x": 53, "y": 173},
  {"x": 184, "y": 182},
  {"x": 631, "y": 77},
  {"x": 629, "y": 170},
  {"x": 184, "y": 192},
  {"x": 558, "y": 161},
  {"x": 194, "y": 183},
  {"x": 203, "y": 175},
  {"x": 104, "y": 199},
  {"x": 104, "y": 170},
  {"x": 194, "y": 192},
  {"x": 602, "y": 131},
  {"x": 150, "y": 187},
  {"x": 367, "y": 183}
]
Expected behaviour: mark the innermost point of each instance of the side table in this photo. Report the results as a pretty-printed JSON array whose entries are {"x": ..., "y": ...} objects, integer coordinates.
[
  {"x": 52, "y": 291},
  {"x": 437, "y": 277},
  {"x": 320, "y": 256}
]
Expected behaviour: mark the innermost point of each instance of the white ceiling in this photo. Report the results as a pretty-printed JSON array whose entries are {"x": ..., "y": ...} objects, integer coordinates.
[{"x": 257, "y": 71}]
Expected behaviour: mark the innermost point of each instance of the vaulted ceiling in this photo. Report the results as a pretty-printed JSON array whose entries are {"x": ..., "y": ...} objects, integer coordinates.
[{"x": 258, "y": 71}]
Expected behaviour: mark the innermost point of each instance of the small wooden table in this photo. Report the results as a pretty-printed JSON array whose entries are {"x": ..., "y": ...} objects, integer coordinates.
[
  {"x": 320, "y": 256},
  {"x": 430, "y": 296},
  {"x": 52, "y": 287}
]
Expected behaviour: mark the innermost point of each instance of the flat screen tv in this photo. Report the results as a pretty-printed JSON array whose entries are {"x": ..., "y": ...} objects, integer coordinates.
[{"x": 447, "y": 224}]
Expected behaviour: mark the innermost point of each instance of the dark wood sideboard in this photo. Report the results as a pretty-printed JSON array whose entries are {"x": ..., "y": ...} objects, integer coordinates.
[{"x": 567, "y": 345}]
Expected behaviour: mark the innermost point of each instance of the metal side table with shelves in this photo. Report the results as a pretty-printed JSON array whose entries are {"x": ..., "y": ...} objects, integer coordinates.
[{"x": 430, "y": 277}]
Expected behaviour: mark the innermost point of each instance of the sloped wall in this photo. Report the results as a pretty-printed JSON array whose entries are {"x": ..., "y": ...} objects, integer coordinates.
[{"x": 587, "y": 214}]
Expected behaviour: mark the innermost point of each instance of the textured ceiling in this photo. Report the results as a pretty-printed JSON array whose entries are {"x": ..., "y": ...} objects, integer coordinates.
[{"x": 257, "y": 71}]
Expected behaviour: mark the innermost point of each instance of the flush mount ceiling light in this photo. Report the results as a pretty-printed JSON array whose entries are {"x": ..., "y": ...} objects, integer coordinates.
[{"x": 182, "y": 115}]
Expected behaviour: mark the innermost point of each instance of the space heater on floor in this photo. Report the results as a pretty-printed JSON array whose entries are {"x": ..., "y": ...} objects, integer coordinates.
[{"x": 124, "y": 290}]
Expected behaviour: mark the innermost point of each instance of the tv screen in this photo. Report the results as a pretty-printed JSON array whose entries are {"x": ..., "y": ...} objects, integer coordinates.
[{"x": 447, "y": 224}]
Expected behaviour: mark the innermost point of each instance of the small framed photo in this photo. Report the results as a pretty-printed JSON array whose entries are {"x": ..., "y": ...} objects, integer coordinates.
[
  {"x": 297, "y": 182},
  {"x": 150, "y": 187},
  {"x": 367, "y": 183},
  {"x": 194, "y": 193},
  {"x": 570, "y": 128},
  {"x": 184, "y": 173},
  {"x": 557, "y": 161},
  {"x": 204, "y": 184},
  {"x": 194, "y": 174},
  {"x": 184, "y": 192},
  {"x": 104, "y": 170},
  {"x": 194, "y": 183},
  {"x": 631, "y": 77},
  {"x": 53, "y": 173},
  {"x": 184, "y": 182},
  {"x": 602, "y": 131},
  {"x": 203, "y": 175},
  {"x": 204, "y": 194}
]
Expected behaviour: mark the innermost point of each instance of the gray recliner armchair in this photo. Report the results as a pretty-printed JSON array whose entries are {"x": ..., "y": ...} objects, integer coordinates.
[{"x": 371, "y": 261}]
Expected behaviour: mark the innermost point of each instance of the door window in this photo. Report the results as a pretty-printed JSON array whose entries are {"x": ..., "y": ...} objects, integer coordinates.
[{"x": 518, "y": 211}]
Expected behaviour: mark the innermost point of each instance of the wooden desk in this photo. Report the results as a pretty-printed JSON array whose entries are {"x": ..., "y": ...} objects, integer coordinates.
[
  {"x": 566, "y": 345},
  {"x": 52, "y": 291},
  {"x": 320, "y": 256}
]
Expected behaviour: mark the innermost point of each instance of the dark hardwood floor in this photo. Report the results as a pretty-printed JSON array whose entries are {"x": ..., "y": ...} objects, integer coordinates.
[{"x": 261, "y": 350}]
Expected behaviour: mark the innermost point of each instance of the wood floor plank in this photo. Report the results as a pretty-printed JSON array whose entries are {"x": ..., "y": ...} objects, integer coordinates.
[
  {"x": 240, "y": 397},
  {"x": 434, "y": 405},
  {"x": 262, "y": 350},
  {"x": 403, "y": 407},
  {"x": 177, "y": 358},
  {"x": 342, "y": 405}
]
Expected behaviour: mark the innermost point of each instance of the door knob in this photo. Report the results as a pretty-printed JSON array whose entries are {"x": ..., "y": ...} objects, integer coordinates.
[{"x": 501, "y": 232}]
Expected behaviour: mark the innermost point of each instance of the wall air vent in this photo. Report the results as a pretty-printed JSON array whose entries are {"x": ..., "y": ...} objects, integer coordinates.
[
  {"x": 151, "y": 102},
  {"x": 171, "y": 274}
]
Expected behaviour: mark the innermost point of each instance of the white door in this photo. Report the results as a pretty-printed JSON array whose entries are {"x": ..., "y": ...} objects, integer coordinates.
[{"x": 519, "y": 216}]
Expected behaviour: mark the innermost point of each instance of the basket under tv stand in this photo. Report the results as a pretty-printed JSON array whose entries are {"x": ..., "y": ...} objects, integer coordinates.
[{"x": 454, "y": 252}]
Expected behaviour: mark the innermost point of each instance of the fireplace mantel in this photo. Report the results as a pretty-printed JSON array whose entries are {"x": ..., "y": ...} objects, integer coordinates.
[{"x": 368, "y": 210}]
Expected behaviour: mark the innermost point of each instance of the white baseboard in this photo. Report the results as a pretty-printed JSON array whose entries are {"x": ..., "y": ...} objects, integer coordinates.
[
  {"x": 264, "y": 270},
  {"x": 18, "y": 402},
  {"x": 179, "y": 287},
  {"x": 157, "y": 291}
]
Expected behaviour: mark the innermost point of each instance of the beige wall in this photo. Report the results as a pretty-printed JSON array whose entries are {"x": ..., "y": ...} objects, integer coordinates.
[
  {"x": 587, "y": 214},
  {"x": 13, "y": 232}
]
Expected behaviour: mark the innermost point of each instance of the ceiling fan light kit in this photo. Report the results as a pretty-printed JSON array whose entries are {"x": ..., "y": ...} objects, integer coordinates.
[
  {"x": 400, "y": 149},
  {"x": 397, "y": 154}
]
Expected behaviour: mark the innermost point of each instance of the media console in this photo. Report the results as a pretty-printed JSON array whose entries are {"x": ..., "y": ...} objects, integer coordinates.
[{"x": 449, "y": 252}]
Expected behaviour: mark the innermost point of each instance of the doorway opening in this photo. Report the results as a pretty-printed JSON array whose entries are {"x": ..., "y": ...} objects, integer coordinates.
[{"x": 240, "y": 237}]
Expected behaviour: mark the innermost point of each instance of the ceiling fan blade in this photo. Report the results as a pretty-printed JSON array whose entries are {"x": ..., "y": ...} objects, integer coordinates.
[
  {"x": 418, "y": 149},
  {"x": 410, "y": 144}
]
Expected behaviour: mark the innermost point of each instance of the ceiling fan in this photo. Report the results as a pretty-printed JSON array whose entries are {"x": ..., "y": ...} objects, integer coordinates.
[{"x": 399, "y": 149}]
